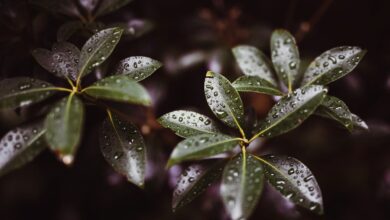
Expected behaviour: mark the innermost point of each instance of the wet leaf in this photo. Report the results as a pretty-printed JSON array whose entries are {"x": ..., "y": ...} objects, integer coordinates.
[
  {"x": 285, "y": 57},
  {"x": 107, "y": 6},
  {"x": 254, "y": 63},
  {"x": 332, "y": 65},
  {"x": 119, "y": 88},
  {"x": 96, "y": 50},
  {"x": 194, "y": 180},
  {"x": 358, "y": 123},
  {"x": 62, "y": 61},
  {"x": 223, "y": 99},
  {"x": 290, "y": 111},
  {"x": 20, "y": 146},
  {"x": 67, "y": 30},
  {"x": 188, "y": 123},
  {"x": 255, "y": 84},
  {"x": 63, "y": 126},
  {"x": 335, "y": 109},
  {"x": 294, "y": 181},
  {"x": 242, "y": 185},
  {"x": 23, "y": 91},
  {"x": 138, "y": 68},
  {"x": 123, "y": 147},
  {"x": 202, "y": 146}
]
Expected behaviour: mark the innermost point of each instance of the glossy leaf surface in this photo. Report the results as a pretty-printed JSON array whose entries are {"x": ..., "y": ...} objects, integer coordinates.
[
  {"x": 138, "y": 68},
  {"x": 223, "y": 99},
  {"x": 254, "y": 63},
  {"x": 20, "y": 146},
  {"x": 123, "y": 147},
  {"x": 194, "y": 180},
  {"x": 332, "y": 65},
  {"x": 23, "y": 91},
  {"x": 335, "y": 109},
  {"x": 285, "y": 57},
  {"x": 294, "y": 181},
  {"x": 63, "y": 126},
  {"x": 188, "y": 123},
  {"x": 242, "y": 185},
  {"x": 96, "y": 50},
  {"x": 202, "y": 146},
  {"x": 119, "y": 88},
  {"x": 255, "y": 84},
  {"x": 290, "y": 111}
]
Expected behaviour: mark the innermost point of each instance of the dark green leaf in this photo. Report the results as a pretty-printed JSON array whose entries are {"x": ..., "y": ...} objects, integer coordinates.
[
  {"x": 223, "y": 99},
  {"x": 96, "y": 50},
  {"x": 255, "y": 84},
  {"x": 188, "y": 123},
  {"x": 254, "y": 63},
  {"x": 23, "y": 91},
  {"x": 135, "y": 27},
  {"x": 202, "y": 146},
  {"x": 124, "y": 149},
  {"x": 335, "y": 109},
  {"x": 194, "y": 180},
  {"x": 63, "y": 126},
  {"x": 292, "y": 110},
  {"x": 358, "y": 123},
  {"x": 242, "y": 184},
  {"x": 68, "y": 29},
  {"x": 62, "y": 61},
  {"x": 294, "y": 180},
  {"x": 138, "y": 68},
  {"x": 107, "y": 6},
  {"x": 20, "y": 146},
  {"x": 119, "y": 88},
  {"x": 285, "y": 57},
  {"x": 332, "y": 65}
]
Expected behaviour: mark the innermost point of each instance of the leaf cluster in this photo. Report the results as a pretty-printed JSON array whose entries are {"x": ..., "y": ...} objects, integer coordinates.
[
  {"x": 61, "y": 129},
  {"x": 300, "y": 94}
]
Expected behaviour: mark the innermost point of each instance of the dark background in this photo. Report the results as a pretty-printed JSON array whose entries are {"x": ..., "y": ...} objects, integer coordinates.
[{"x": 190, "y": 37}]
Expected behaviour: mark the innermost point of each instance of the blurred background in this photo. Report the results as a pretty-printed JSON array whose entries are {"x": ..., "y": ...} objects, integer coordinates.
[{"x": 191, "y": 37}]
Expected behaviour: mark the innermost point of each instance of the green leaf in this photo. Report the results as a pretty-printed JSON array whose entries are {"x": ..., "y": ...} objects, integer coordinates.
[
  {"x": 107, "y": 6},
  {"x": 194, "y": 180},
  {"x": 20, "y": 146},
  {"x": 285, "y": 57},
  {"x": 188, "y": 123},
  {"x": 67, "y": 30},
  {"x": 294, "y": 181},
  {"x": 292, "y": 110},
  {"x": 23, "y": 91},
  {"x": 332, "y": 65},
  {"x": 255, "y": 84},
  {"x": 358, "y": 123},
  {"x": 138, "y": 68},
  {"x": 61, "y": 61},
  {"x": 96, "y": 50},
  {"x": 119, "y": 88},
  {"x": 253, "y": 62},
  {"x": 335, "y": 109},
  {"x": 202, "y": 146},
  {"x": 124, "y": 149},
  {"x": 242, "y": 185},
  {"x": 223, "y": 99},
  {"x": 63, "y": 126}
]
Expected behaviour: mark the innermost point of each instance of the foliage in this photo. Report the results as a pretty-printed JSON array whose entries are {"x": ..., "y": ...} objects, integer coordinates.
[
  {"x": 61, "y": 130},
  {"x": 301, "y": 94},
  {"x": 88, "y": 14}
]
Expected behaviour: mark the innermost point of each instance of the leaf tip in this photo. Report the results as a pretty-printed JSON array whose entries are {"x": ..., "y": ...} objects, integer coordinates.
[{"x": 210, "y": 74}]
